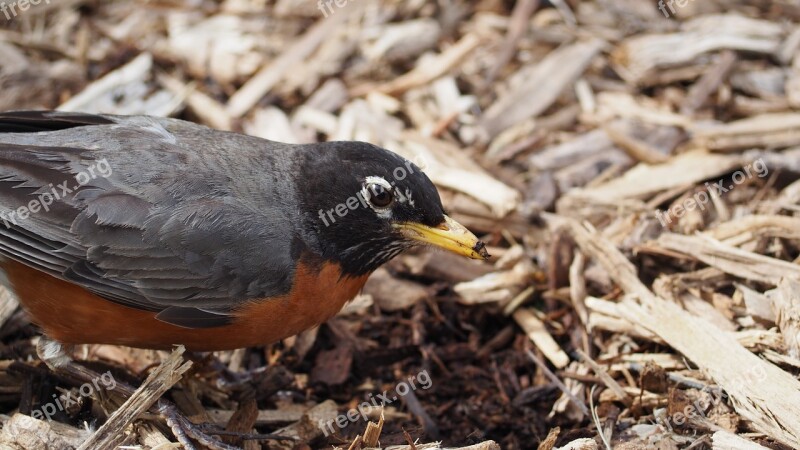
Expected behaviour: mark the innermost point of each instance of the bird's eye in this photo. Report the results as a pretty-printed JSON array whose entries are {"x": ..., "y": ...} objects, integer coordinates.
[{"x": 379, "y": 195}]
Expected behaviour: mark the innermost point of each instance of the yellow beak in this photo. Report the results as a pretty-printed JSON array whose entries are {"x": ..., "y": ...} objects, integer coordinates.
[{"x": 449, "y": 235}]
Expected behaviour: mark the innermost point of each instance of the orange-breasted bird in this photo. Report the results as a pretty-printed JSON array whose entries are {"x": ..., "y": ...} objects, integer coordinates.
[{"x": 150, "y": 232}]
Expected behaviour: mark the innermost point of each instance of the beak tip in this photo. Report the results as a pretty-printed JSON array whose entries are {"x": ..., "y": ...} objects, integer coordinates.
[
  {"x": 448, "y": 235},
  {"x": 480, "y": 249}
]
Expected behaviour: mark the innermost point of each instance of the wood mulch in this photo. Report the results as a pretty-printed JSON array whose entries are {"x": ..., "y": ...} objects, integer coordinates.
[{"x": 632, "y": 164}]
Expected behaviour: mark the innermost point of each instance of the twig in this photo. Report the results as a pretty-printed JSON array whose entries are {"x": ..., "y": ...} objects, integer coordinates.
[{"x": 541, "y": 365}]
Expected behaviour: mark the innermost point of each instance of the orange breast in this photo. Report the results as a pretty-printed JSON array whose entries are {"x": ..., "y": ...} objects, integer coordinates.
[{"x": 72, "y": 315}]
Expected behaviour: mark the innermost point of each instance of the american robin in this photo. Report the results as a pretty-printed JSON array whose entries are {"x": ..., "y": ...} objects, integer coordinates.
[{"x": 150, "y": 232}]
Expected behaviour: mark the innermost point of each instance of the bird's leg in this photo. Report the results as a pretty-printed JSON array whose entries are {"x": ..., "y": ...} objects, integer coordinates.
[
  {"x": 55, "y": 356},
  {"x": 53, "y": 353}
]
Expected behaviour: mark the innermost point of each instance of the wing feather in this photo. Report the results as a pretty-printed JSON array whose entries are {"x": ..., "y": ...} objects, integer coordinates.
[{"x": 167, "y": 230}]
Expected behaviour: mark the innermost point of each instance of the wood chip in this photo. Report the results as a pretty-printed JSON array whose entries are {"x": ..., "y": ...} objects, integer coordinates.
[
  {"x": 537, "y": 333},
  {"x": 157, "y": 383}
]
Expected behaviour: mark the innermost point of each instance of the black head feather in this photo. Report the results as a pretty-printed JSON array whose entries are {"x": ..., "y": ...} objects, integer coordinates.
[{"x": 342, "y": 202}]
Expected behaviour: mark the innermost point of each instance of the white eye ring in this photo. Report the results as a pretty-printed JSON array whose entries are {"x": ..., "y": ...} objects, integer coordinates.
[
  {"x": 365, "y": 192},
  {"x": 378, "y": 180}
]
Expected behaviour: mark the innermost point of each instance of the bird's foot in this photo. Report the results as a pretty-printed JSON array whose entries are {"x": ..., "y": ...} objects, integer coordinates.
[
  {"x": 185, "y": 431},
  {"x": 216, "y": 431}
]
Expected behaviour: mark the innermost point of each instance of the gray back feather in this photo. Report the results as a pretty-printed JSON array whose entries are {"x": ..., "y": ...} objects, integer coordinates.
[{"x": 190, "y": 222}]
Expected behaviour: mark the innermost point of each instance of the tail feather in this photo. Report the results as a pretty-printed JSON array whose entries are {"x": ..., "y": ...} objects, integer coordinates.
[{"x": 35, "y": 121}]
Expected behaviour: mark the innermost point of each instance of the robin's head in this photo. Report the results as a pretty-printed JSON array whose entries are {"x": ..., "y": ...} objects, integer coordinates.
[{"x": 366, "y": 205}]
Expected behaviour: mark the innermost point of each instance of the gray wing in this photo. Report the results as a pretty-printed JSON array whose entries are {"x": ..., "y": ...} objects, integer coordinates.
[{"x": 156, "y": 214}]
